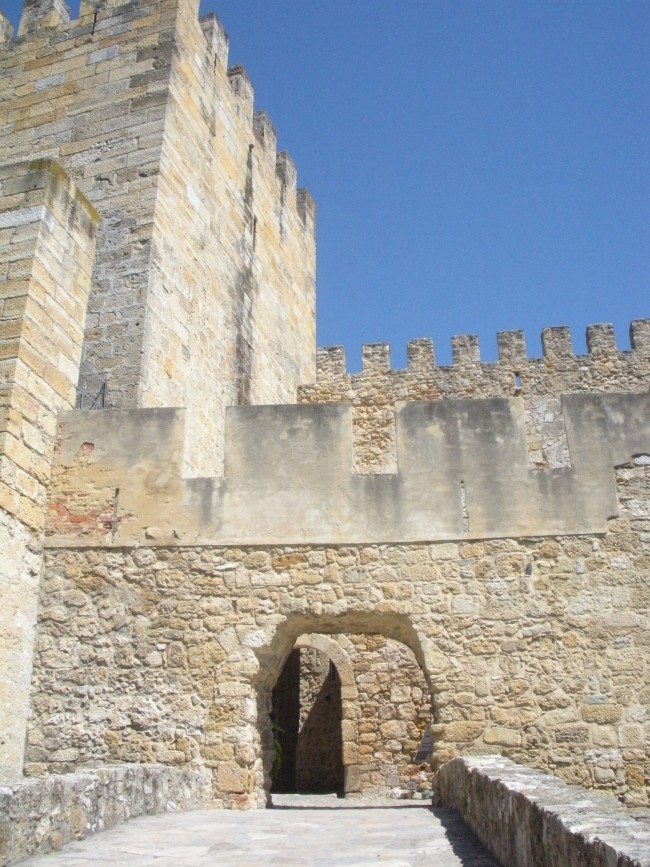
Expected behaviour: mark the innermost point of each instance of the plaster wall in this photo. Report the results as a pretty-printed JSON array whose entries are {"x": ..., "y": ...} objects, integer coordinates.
[{"x": 463, "y": 473}]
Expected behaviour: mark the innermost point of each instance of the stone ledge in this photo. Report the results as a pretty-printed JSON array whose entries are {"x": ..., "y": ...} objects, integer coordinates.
[
  {"x": 44, "y": 813},
  {"x": 530, "y": 819}
]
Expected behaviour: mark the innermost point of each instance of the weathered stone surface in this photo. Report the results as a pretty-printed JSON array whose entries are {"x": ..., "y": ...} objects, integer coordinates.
[
  {"x": 547, "y": 635},
  {"x": 385, "y": 708},
  {"x": 376, "y": 392},
  {"x": 47, "y": 234},
  {"x": 527, "y": 818},
  {"x": 170, "y": 151},
  {"x": 37, "y": 816},
  {"x": 463, "y": 473},
  {"x": 304, "y": 830},
  {"x": 471, "y": 541},
  {"x": 601, "y": 713}
]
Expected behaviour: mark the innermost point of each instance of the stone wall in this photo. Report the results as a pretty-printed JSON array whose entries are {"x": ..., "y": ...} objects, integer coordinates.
[
  {"x": 534, "y": 647},
  {"x": 92, "y": 93},
  {"x": 232, "y": 307},
  {"x": 377, "y": 388},
  {"x": 393, "y": 708},
  {"x": 385, "y": 707},
  {"x": 47, "y": 236},
  {"x": 203, "y": 285},
  {"x": 37, "y": 816},
  {"x": 525, "y": 818},
  {"x": 319, "y": 746},
  {"x": 463, "y": 474}
]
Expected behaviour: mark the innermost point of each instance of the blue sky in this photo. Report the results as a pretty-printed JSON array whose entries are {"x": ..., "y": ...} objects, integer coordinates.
[{"x": 477, "y": 166}]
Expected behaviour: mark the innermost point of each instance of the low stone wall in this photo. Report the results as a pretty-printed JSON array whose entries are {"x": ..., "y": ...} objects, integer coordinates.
[
  {"x": 42, "y": 814},
  {"x": 530, "y": 819}
]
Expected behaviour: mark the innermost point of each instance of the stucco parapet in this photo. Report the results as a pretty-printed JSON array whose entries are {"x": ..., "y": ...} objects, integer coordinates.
[{"x": 463, "y": 473}]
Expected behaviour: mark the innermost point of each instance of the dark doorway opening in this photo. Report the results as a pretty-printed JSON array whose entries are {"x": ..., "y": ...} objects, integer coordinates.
[{"x": 307, "y": 717}]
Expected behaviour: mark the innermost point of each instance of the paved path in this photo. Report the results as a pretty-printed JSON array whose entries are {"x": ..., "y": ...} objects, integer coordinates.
[{"x": 298, "y": 832}]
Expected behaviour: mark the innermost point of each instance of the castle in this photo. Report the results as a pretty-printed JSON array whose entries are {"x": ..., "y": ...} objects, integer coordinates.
[{"x": 189, "y": 491}]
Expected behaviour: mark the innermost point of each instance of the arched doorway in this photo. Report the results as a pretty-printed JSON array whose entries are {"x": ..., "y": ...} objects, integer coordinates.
[
  {"x": 239, "y": 741},
  {"x": 347, "y": 628},
  {"x": 313, "y": 704}
]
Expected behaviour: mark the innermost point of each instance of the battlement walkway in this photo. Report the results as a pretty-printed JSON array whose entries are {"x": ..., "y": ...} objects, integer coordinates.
[{"x": 300, "y": 831}]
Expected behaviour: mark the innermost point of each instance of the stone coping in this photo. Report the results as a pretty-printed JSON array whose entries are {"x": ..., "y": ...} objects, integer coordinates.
[
  {"x": 44, "y": 813},
  {"x": 530, "y": 819}
]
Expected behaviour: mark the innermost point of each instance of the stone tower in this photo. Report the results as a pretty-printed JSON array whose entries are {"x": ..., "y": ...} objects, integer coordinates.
[
  {"x": 201, "y": 292},
  {"x": 203, "y": 288}
]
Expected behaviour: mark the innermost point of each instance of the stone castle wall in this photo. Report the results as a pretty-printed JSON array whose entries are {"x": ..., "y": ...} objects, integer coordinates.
[
  {"x": 41, "y": 815},
  {"x": 203, "y": 285},
  {"x": 463, "y": 473},
  {"x": 536, "y": 648},
  {"x": 319, "y": 746},
  {"x": 91, "y": 93},
  {"x": 474, "y": 537},
  {"x": 385, "y": 708},
  {"x": 233, "y": 306},
  {"x": 47, "y": 236},
  {"x": 374, "y": 392},
  {"x": 524, "y": 817},
  {"x": 393, "y": 708}
]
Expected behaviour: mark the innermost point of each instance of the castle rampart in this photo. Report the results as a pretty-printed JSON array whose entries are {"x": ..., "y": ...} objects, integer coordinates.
[
  {"x": 374, "y": 391},
  {"x": 462, "y": 472},
  {"x": 493, "y": 519},
  {"x": 534, "y": 647}
]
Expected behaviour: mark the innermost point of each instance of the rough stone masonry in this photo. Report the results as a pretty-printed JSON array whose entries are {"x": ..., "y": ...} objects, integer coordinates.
[{"x": 468, "y": 545}]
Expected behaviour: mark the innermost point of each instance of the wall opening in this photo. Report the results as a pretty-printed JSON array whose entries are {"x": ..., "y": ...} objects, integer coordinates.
[
  {"x": 353, "y": 708},
  {"x": 307, "y": 720}
]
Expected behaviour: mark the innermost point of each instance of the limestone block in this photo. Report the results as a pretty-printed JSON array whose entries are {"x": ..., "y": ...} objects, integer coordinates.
[
  {"x": 232, "y": 779},
  {"x": 502, "y": 736},
  {"x": 601, "y": 713}
]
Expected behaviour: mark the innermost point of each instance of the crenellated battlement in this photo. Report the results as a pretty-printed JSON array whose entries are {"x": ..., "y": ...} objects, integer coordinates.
[
  {"x": 603, "y": 368},
  {"x": 6, "y": 28},
  {"x": 41, "y": 14},
  {"x": 462, "y": 473},
  {"x": 503, "y": 534},
  {"x": 216, "y": 38},
  {"x": 50, "y": 21},
  {"x": 102, "y": 19},
  {"x": 377, "y": 388}
]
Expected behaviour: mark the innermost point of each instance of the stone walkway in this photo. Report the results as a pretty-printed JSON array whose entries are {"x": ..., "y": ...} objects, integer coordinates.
[{"x": 298, "y": 832}]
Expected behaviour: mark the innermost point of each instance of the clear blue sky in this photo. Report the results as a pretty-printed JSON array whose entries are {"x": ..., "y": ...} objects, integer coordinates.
[{"x": 477, "y": 166}]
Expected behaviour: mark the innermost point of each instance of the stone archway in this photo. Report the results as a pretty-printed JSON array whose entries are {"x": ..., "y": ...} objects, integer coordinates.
[{"x": 273, "y": 655}]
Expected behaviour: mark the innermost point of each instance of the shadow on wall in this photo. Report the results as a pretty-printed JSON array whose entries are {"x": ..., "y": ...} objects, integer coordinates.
[
  {"x": 307, "y": 717},
  {"x": 273, "y": 656}
]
